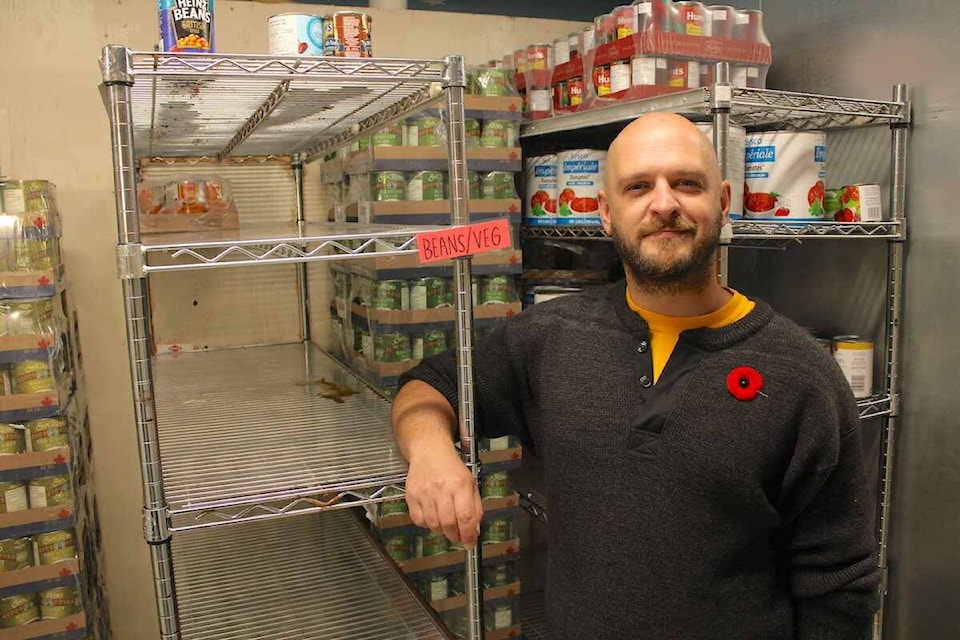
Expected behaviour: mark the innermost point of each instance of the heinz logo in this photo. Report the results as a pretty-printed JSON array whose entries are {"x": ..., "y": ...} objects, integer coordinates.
[
  {"x": 761, "y": 154},
  {"x": 581, "y": 166},
  {"x": 820, "y": 153},
  {"x": 545, "y": 171}
]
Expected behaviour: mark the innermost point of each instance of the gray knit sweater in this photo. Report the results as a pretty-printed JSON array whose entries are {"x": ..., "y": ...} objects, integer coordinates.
[{"x": 678, "y": 511}]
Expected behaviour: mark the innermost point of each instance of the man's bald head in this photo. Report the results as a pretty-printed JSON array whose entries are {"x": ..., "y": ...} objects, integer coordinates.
[{"x": 654, "y": 131}]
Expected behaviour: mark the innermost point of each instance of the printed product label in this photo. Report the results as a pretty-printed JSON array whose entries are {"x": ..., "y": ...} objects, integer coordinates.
[
  {"x": 540, "y": 205},
  {"x": 620, "y": 76},
  {"x": 784, "y": 172},
  {"x": 644, "y": 71},
  {"x": 580, "y": 178},
  {"x": 16, "y": 499}
]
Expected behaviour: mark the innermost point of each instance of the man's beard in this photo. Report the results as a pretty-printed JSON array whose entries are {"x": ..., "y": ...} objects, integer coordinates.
[{"x": 689, "y": 274}]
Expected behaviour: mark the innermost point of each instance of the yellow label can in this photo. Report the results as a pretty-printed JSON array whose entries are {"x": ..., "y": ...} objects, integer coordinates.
[
  {"x": 56, "y": 546},
  {"x": 49, "y": 491},
  {"x": 12, "y": 440},
  {"x": 32, "y": 376},
  {"x": 48, "y": 433},
  {"x": 15, "y": 554},
  {"x": 59, "y": 602},
  {"x": 18, "y": 610}
]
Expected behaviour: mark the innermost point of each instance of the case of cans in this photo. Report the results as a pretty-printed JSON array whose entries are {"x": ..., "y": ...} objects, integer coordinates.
[
  {"x": 187, "y": 203},
  {"x": 649, "y": 48},
  {"x": 29, "y": 239}
]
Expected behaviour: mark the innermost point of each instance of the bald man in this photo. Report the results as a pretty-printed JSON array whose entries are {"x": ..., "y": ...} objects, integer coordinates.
[{"x": 702, "y": 453}]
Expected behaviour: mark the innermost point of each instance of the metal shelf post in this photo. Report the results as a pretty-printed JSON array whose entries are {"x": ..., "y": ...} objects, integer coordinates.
[
  {"x": 455, "y": 88},
  {"x": 721, "y": 98},
  {"x": 117, "y": 83},
  {"x": 891, "y": 364}
]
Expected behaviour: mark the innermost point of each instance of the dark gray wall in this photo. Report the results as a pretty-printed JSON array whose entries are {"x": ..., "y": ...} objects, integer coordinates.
[{"x": 863, "y": 48}]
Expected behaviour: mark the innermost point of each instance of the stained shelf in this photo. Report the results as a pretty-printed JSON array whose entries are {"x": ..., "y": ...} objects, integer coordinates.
[{"x": 244, "y": 436}]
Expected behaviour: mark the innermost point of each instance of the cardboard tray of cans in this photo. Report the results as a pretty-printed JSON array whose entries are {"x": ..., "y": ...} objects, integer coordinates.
[
  {"x": 39, "y": 578},
  {"x": 492, "y": 551},
  {"x": 493, "y": 107},
  {"x": 30, "y": 329},
  {"x": 187, "y": 203},
  {"x": 407, "y": 267},
  {"x": 491, "y": 507},
  {"x": 502, "y": 634},
  {"x": 69, "y": 628},
  {"x": 34, "y": 388},
  {"x": 430, "y": 159},
  {"x": 490, "y": 594},
  {"x": 431, "y": 316},
  {"x": 428, "y": 212},
  {"x": 29, "y": 210}
]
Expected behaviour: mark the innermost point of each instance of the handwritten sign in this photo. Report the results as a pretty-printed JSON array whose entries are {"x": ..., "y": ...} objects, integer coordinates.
[{"x": 467, "y": 240}]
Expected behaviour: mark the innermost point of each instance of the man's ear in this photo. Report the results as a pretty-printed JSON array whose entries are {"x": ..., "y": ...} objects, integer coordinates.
[{"x": 604, "y": 203}]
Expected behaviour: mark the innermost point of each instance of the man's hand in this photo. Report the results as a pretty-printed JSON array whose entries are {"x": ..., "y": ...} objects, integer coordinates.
[{"x": 442, "y": 494}]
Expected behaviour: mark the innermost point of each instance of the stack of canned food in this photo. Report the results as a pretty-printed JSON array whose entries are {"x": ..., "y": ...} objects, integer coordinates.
[
  {"x": 428, "y": 131},
  {"x": 653, "y": 64},
  {"x": 34, "y": 435},
  {"x": 38, "y": 550},
  {"x": 46, "y": 491},
  {"x": 28, "y": 237},
  {"x": 419, "y": 186},
  {"x": 422, "y": 293},
  {"x": 27, "y": 317},
  {"x": 27, "y": 377}
]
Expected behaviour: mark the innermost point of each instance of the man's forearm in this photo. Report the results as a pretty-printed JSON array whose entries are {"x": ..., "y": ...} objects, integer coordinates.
[{"x": 423, "y": 421}]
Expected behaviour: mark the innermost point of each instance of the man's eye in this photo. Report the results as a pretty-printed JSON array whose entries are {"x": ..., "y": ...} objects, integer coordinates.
[
  {"x": 689, "y": 184},
  {"x": 637, "y": 186}
]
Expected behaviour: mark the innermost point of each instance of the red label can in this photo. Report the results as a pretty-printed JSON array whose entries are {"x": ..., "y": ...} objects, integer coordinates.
[
  {"x": 626, "y": 17},
  {"x": 655, "y": 15},
  {"x": 539, "y": 57},
  {"x": 749, "y": 27},
  {"x": 575, "y": 87},
  {"x": 561, "y": 95},
  {"x": 520, "y": 60},
  {"x": 601, "y": 80},
  {"x": 691, "y": 18},
  {"x": 683, "y": 74},
  {"x": 605, "y": 29},
  {"x": 349, "y": 35},
  {"x": 722, "y": 20}
]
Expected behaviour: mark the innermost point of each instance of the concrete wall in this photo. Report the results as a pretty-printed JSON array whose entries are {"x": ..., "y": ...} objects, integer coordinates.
[
  {"x": 53, "y": 125},
  {"x": 862, "y": 48}
]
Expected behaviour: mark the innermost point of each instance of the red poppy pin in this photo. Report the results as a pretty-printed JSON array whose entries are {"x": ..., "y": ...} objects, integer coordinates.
[{"x": 744, "y": 383}]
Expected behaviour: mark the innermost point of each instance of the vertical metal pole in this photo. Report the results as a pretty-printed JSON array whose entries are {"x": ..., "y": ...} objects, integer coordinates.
[
  {"x": 895, "y": 263},
  {"x": 454, "y": 85},
  {"x": 303, "y": 289},
  {"x": 118, "y": 79},
  {"x": 721, "y": 101}
]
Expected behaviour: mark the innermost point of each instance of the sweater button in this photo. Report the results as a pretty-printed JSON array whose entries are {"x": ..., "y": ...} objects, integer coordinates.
[
  {"x": 645, "y": 382},
  {"x": 643, "y": 347}
]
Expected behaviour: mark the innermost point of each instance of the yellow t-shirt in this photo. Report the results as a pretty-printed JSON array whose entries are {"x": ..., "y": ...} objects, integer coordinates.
[{"x": 666, "y": 330}]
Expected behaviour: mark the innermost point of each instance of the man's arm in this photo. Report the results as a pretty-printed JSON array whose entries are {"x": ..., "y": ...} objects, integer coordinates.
[
  {"x": 441, "y": 492},
  {"x": 829, "y": 545}
]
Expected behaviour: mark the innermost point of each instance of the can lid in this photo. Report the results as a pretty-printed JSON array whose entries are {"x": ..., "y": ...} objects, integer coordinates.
[
  {"x": 352, "y": 13},
  {"x": 295, "y": 13}
]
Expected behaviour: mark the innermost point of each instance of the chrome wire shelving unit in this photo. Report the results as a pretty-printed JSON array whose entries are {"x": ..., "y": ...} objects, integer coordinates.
[
  {"x": 763, "y": 109},
  {"x": 241, "y": 448}
]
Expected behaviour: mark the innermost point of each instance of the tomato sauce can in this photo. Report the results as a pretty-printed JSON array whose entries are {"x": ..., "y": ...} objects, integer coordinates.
[
  {"x": 784, "y": 173},
  {"x": 539, "y": 57},
  {"x": 620, "y": 76},
  {"x": 648, "y": 71},
  {"x": 579, "y": 179},
  {"x": 654, "y": 15},
  {"x": 691, "y": 19},
  {"x": 540, "y": 203},
  {"x": 748, "y": 26},
  {"x": 575, "y": 88},
  {"x": 348, "y": 34},
  {"x": 520, "y": 60},
  {"x": 601, "y": 80},
  {"x": 626, "y": 21},
  {"x": 296, "y": 34},
  {"x": 561, "y": 95},
  {"x": 186, "y": 25},
  {"x": 561, "y": 51},
  {"x": 575, "y": 43},
  {"x": 683, "y": 74},
  {"x": 722, "y": 20},
  {"x": 855, "y": 357},
  {"x": 589, "y": 39}
]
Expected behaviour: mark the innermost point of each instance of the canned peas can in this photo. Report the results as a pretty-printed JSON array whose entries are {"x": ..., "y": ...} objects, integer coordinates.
[
  {"x": 425, "y": 185},
  {"x": 393, "y": 506},
  {"x": 49, "y": 491},
  {"x": 498, "y": 185},
  {"x": 427, "y": 293},
  {"x": 32, "y": 376},
  {"x": 13, "y": 497},
  {"x": 19, "y": 610},
  {"x": 55, "y": 546},
  {"x": 15, "y": 554},
  {"x": 398, "y": 547},
  {"x": 59, "y": 602},
  {"x": 495, "y": 485},
  {"x": 391, "y": 295},
  {"x": 391, "y": 347},
  {"x": 497, "y": 289},
  {"x": 388, "y": 186},
  {"x": 428, "y": 132},
  {"x": 48, "y": 433},
  {"x": 12, "y": 440},
  {"x": 496, "y": 531}
]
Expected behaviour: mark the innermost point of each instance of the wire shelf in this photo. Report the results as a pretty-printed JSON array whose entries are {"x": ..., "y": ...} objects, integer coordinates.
[
  {"x": 188, "y": 105},
  {"x": 316, "y": 577},
  {"x": 752, "y": 108},
  {"x": 750, "y": 230},
  {"x": 533, "y": 616},
  {"x": 243, "y": 429},
  {"x": 875, "y": 406},
  {"x": 274, "y": 244}
]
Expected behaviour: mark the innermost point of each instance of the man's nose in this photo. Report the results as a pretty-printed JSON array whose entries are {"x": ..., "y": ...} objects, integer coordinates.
[{"x": 664, "y": 201}]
